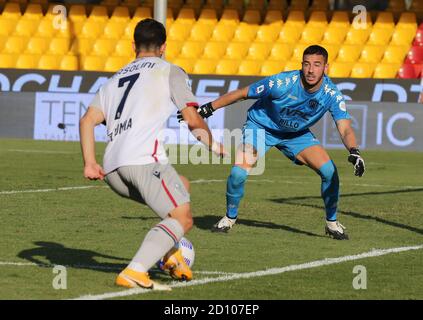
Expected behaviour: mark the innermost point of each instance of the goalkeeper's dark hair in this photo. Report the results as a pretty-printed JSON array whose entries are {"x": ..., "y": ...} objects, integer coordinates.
[
  {"x": 149, "y": 35},
  {"x": 315, "y": 49}
]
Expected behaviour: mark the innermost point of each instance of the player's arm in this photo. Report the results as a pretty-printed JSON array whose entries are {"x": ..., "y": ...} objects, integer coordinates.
[
  {"x": 350, "y": 142},
  {"x": 92, "y": 118}
]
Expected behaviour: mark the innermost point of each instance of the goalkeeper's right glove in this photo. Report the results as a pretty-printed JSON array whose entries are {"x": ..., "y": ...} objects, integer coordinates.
[{"x": 205, "y": 111}]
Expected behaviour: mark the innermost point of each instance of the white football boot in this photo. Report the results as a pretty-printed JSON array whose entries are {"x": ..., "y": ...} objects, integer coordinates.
[
  {"x": 224, "y": 224},
  {"x": 336, "y": 230}
]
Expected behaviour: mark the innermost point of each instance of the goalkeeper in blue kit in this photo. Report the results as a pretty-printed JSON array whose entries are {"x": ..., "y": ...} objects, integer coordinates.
[{"x": 287, "y": 105}]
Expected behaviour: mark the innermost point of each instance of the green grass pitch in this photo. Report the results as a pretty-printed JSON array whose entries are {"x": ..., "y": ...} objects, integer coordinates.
[{"x": 94, "y": 233}]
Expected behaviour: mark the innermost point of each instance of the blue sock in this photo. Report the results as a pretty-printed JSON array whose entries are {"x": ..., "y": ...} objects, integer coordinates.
[
  {"x": 330, "y": 189},
  {"x": 235, "y": 190}
]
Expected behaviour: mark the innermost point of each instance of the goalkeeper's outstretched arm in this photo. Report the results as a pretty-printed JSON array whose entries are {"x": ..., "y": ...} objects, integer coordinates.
[{"x": 230, "y": 98}]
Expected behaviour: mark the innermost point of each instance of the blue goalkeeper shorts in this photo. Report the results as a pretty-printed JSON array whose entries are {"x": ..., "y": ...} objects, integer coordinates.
[{"x": 289, "y": 143}]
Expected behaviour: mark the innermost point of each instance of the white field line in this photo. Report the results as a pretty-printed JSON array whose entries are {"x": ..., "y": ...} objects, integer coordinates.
[
  {"x": 255, "y": 274},
  {"x": 41, "y": 151},
  {"x": 49, "y": 190}
]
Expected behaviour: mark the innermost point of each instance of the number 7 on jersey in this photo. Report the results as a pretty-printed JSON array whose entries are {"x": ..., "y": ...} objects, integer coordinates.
[{"x": 122, "y": 81}]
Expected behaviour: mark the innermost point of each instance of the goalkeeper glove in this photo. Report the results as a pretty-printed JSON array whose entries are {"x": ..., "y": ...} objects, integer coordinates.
[
  {"x": 357, "y": 161},
  {"x": 205, "y": 111}
]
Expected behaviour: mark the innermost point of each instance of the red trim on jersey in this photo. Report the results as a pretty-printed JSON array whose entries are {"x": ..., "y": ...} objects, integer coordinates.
[
  {"x": 169, "y": 194},
  {"x": 156, "y": 143},
  {"x": 192, "y": 104}
]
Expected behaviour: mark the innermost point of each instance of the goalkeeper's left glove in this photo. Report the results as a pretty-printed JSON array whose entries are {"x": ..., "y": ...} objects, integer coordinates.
[
  {"x": 357, "y": 161},
  {"x": 205, "y": 111}
]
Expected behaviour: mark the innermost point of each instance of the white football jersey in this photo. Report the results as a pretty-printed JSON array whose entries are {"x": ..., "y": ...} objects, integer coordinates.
[{"x": 136, "y": 103}]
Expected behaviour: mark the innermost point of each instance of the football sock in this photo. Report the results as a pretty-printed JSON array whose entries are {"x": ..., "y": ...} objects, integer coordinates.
[
  {"x": 158, "y": 241},
  {"x": 330, "y": 189},
  {"x": 235, "y": 190}
]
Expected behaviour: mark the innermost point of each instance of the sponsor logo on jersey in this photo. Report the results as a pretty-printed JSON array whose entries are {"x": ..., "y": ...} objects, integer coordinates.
[{"x": 156, "y": 173}]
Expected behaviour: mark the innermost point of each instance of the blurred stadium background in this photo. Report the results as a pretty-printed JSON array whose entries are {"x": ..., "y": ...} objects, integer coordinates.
[{"x": 49, "y": 75}]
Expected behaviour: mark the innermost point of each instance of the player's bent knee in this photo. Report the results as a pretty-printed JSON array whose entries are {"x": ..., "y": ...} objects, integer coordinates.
[
  {"x": 183, "y": 214},
  {"x": 238, "y": 175},
  {"x": 328, "y": 171}
]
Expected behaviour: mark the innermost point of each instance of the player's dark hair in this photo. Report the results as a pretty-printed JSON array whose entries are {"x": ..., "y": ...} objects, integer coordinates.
[
  {"x": 315, "y": 49},
  {"x": 149, "y": 35}
]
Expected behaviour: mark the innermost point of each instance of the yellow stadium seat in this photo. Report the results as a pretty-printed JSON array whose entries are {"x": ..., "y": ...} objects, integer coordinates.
[
  {"x": 259, "y": 51},
  {"x": 49, "y": 62},
  {"x": 201, "y": 32},
  {"x": 27, "y": 61},
  {"x": 179, "y": 31},
  {"x": 214, "y": 49},
  {"x": 173, "y": 48},
  {"x": 256, "y": 4},
  {"x": 192, "y": 49},
  {"x": 312, "y": 34},
  {"x": 77, "y": 12},
  {"x": 93, "y": 63},
  {"x": 205, "y": 66},
  {"x": 208, "y": 16},
  {"x": 64, "y": 32},
  {"x": 395, "y": 54},
  {"x": 230, "y": 16},
  {"x": 250, "y": 67},
  {"x": 299, "y": 5},
  {"x": 273, "y": 17},
  {"x": 45, "y": 29},
  {"x": 26, "y": 27},
  {"x": 403, "y": 36},
  {"x": 349, "y": 53},
  {"x": 318, "y": 19},
  {"x": 334, "y": 35},
  {"x": 69, "y": 63},
  {"x": 340, "y": 69},
  {"x": 142, "y": 13},
  {"x": 37, "y": 45},
  {"x": 7, "y": 60},
  {"x": 81, "y": 46},
  {"x": 223, "y": 32},
  {"x": 332, "y": 50},
  {"x": 357, "y": 36},
  {"x": 289, "y": 34},
  {"x": 340, "y": 19},
  {"x": 7, "y": 26},
  {"x": 15, "y": 44},
  {"x": 236, "y": 50},
  {"x": 277, "y": 5},
  {"x": 245, "y": 32},
  {"x": 92, "y": 30},
  {"x": 363, "y": 70},
  {"x": 252, "y": 16},
  {"x": 380, "y": 36},
  {"x": 114, "y": 63},
  {"x": 184, "y": 63},
  {"x": 114, "y": 30},
  {"x": 320, "y": 5},
  {"x": 33, "y": 11},
  {"x": 359, "y": 23},
  {"x": 372, "y": 53},
  {"x": 281, "y": 51},
  {"x": 268, "y": 33},
  {"x": 385, "y": 19},
  {"x": 235, "y": 4},
  {"x": 59, "y": 46},
  {"x": 292, "y": 65},
  {"x": 297, "y": 55},
  {"x": 295, "y": 18},
  {"x": 386, "y": 70},
  {"x": 128, "y": 34},
  {"x": 227, "y": 67},
  {"x": 103, "y": 47},
  {"x": 120, "y": 14},
  {"x": 407, "y": 20},
  {"x": 270, "y": 67},
  {"x": 186, "y": 16},
  {"x": 194, "y": 4},
  {"x": 3, "y": 40},
  {"x": 124, "y": 48},
  {"x": 98, "y": 14},
  {"x": 11, "y": 11}
]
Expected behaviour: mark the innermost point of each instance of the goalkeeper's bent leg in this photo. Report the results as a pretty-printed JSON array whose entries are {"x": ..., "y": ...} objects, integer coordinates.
[
  {"x": 330, "y": 189},
  {"x": 235, "y": 190}
]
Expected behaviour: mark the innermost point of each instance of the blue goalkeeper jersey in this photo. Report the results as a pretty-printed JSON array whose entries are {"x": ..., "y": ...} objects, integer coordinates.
[{"x": 283, "y": 105}]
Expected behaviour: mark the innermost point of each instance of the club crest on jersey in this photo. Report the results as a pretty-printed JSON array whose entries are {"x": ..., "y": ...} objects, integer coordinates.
[{"x": 313, "y": 103}]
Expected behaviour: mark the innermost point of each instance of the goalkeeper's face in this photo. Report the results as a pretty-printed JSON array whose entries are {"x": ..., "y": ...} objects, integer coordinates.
[{"x": 314, "y": 67}]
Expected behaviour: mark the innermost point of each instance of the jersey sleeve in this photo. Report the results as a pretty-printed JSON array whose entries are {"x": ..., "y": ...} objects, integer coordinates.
[
  {"x": 180, "y": 88},
  {"x": 338, "y": 108},
  {"x": 266, "y": 87},
  {"x": 96, "y": 102}
]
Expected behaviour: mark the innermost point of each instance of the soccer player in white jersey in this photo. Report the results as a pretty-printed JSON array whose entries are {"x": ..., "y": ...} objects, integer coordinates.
[
  {"x": 287, "y": 105},
  {"x": 135, "y": 105}
]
